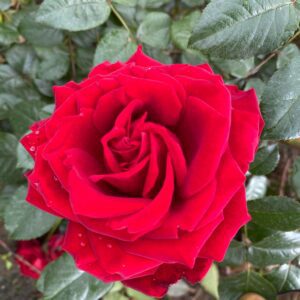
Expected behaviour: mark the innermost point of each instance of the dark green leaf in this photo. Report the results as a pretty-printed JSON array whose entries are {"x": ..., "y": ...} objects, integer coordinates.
[
  {"x": 296, "y": 177},
  {"x": 256, "y": 187},
  {"x": 86, "y": 38},
  {"x": 5, "y": 197},
  {"x": 278, "y": 248},
  {"x": 7, "y": 102},
  {"x": 73, "y": 15},
  {"x": 24, "y": 159},
  {"x": 236, "y": 68},
  {"x": 23, "y": 221},
  {"x": 281, "y": 103},
  {"x": 233, "y": 287},
  {"x": 54, "y": 63},
  {"x": 44, "y": 87},
  {"x": 155, "y": 30},
  {"x": 286, "y": 278},
  {"x": 277, "y": 213},
  {"x": 193, "y": 57},
  {"x": 24, "y": 114},
  {"x": 116, "y": 45},
  {"x": 152, "y": 3},
  {"x": 157, "y": 54},
  {"x": 236, "y": 254},
  {"x": 241, "y": 29},
  {"x": 266, "y": 160},
  {"x": 8, "y": 35},
  {"x": 287, "y": 54},
  {"x": 23, "y": 59},
  {"x": 10, "y": 79},
  {"x": 181, "y": 30},
  {"x": 8, "y": 157},
  {"x": 39, "y": 34},
  {"x": 258, "y": 85},
  {"x": 61, "y": 280}
]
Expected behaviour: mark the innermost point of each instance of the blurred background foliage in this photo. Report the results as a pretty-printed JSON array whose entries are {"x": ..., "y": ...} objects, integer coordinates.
[{"x": 253, "y": 43}]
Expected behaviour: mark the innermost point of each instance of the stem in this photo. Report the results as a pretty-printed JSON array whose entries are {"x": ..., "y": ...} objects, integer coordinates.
[
  {"x": 72, "y": 57},
  {"x": 19, "y": 258},
  {"x": 259, "y": 66},
  {"x": 53, "y": 229},
  {"x": 120, "y": 18}
]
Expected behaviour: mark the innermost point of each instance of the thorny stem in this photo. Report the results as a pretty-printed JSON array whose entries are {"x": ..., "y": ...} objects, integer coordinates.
[
  {"x": 19, "y": 257},
  {"x": 120, "y": 18}
]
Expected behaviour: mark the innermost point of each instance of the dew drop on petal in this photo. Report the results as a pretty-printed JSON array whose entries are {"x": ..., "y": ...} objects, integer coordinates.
[
  {"x": 82, "y": 244},
  {"x": 37, "y": 132},
  {"x": 109, "y": 246},
  {"x": 32, "y": 148},
  {"x": 80, "y": 235}
]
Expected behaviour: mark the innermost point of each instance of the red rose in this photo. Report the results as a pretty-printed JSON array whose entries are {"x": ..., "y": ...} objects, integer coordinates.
[
  {"x": 32, "y": 252},
  {"x": 147, "y": 162}
]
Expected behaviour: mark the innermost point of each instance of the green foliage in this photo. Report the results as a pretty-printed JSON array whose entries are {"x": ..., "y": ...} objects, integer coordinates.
[
  {"x": 61, "y": 280},
  {"x": 23, "y": 221},
  {"x": 251, "y": 43}
]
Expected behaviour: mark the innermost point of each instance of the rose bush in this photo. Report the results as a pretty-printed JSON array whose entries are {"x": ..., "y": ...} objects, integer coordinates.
[{"x": 147, "y": 162}]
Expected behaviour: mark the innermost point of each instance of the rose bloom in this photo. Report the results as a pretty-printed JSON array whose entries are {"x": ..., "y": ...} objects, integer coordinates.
[
  {"x": 147, "y": 162},
  {"x": 32, "y": 252}
]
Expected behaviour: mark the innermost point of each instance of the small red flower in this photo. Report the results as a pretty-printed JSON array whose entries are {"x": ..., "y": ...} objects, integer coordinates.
[
  {"x": 147, "y": 162},
  {"x": 33, "y": 253}
]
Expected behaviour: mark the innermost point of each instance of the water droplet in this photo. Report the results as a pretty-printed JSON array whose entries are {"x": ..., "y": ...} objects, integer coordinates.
[
  {"x": 154, "y": 279},
  {"x": 55, "y": 178},
  {"x": 80, "y": 235},
  {"x": 82, "y": 244},
  {"x": 32, "y": 148},
  {"x": 99, "y": 238},
  {"x": 109, "y": 246},
  {"x": 81, "y": 114},
  {"x": 37, "y": 132},
  {"x": 123, "y": 265}
]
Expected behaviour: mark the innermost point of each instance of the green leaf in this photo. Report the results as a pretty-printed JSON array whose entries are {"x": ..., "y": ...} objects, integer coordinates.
[
  {"x": 5, "y": 4},
  {"x": 276, "y": 213},
  {"x": 39, "y": 34},
  {"x": 233, "y": 287},
  {"x": 8, "y": 157},
  {"x": 23, "y": 59},
  {"x": 287, "y": 54},
  {"x": 157, "y": 54},
  {"x": 5, "y": 196},
  {"x": 256, "y": 187},
  {"x": 54, "y": 63},
  {"x": 236, "y": 68},
  {"x": 133, "y": 294},
  {"x": 192, "y": 3},
  {"x": 193, "y": 57},
  {"x": 61, "y": 280},
  {"x": 155, "y": 30},
  {"x": 116, "y": 45},
  {"x": 44, "y": 86},
  {"x": 211, "y": 281},
  {"x": 281, "y": 103},
  {"x": 126, "y": 2},
  {"x": 266, "y": 160},
  {"x": 257, "y": 84},
  {"x": 296, "y": 177},
  {"x": 73, "y": 15},
  {"x": 179, "y": 289},
  {"x": 24, "y": 221},
  {"x": 241, "y": 29},
  {"x": 278, "y": 248},
  {"x": 86, "y": 38},
  {"x": 10, "y": 79},
  {"x": 285, "y": 278},
  {"x": 7, "y": 102},
  {"x": 181, "y": 30},
  {"x": 25, "y": 160},
  {"x": 152, "y": 3},
  {"x": 8, "y": 35},
  {"x": 236, "y": 254},
  {"x": 24, "y": 114}
]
